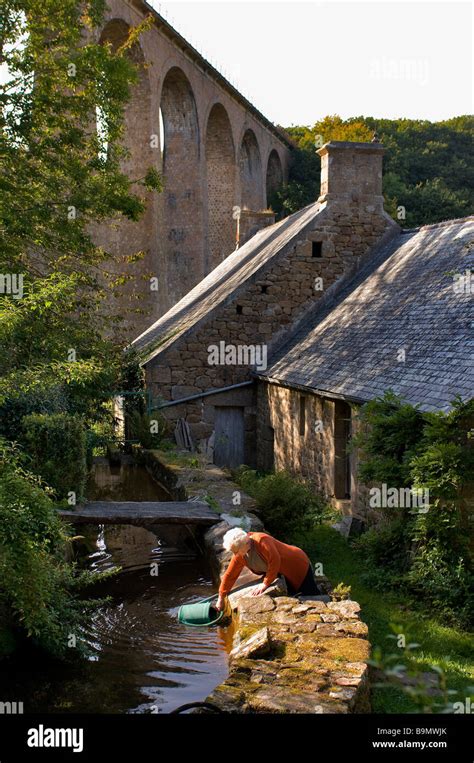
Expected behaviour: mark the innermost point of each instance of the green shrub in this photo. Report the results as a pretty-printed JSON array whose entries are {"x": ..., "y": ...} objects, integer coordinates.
[
  {"x": 38, "y": 588},
  {"x": 99, "y": 436},
  {"x": 56, "y": 447},
  {"x": 286, "y": 505},
  {"x": 428, "y": 553},
  {"x": 340, "y": 592},
  {"x": 444, "y": 583},
  {"x": 51, "y": 399},
  {"x": 384, "y": 553},
  {"x": 148, "y": 430},
  {"x": 390, "y": 434}
]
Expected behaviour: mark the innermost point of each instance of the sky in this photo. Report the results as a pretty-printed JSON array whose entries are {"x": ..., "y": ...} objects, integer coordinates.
[{"x": 300, "y": 61}]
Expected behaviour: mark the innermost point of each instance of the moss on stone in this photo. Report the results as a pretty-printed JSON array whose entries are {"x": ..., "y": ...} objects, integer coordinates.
[{"x": 245, "y": 631}]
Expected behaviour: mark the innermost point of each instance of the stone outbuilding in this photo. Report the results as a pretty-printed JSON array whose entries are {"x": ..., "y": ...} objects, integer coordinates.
[
  {"x": 404, "y": 323},
  {"x": 267, "y": 356}
]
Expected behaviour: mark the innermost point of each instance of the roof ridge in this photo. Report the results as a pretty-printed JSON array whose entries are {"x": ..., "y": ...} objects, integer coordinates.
[
  {"x": 221, "y": 280},
  {"x": 444, "y": 223}
]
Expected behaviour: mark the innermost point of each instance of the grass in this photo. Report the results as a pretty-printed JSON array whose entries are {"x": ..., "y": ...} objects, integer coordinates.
[
  {"x": 186, "y": 460},
  {"x": 448, "y": 647}
]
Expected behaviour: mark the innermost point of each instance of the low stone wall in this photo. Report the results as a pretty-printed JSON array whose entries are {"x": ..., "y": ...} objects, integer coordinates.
[
  {"x": 290, "y": 655},
  {"x": 296, "y": 656}
]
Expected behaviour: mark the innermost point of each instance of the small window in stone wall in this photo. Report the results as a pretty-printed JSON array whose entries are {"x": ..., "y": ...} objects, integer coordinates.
[
  {"x": 239, "y": 309},
  {"x": 302, "y": 422},
  {"x": 316, "y": 248},
  {"x": 264, "y": 289}
]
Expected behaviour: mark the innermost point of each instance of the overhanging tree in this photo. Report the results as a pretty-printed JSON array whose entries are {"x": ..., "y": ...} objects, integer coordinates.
[
  {"x": 58, "y": 178},
  {"x": 56, "y": 181}
]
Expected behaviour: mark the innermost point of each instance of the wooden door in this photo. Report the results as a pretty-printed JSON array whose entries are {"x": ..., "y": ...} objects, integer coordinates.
[{"x": 229, "y": 437}]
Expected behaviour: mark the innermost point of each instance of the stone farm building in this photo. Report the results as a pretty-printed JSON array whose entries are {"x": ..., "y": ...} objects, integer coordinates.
[{"x": 269, "y": 356}]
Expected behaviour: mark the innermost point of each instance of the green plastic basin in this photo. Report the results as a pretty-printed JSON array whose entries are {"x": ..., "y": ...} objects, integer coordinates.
[{"x": 200, "y": 614}]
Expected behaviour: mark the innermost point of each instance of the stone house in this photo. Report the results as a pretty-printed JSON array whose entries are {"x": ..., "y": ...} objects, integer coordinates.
[
  {"x": 267, "y": 357},
  {"x": 403, "y": 323}
]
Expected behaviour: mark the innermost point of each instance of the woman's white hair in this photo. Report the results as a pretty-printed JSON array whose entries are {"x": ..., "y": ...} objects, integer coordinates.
[{"x": 234, "y": 539}]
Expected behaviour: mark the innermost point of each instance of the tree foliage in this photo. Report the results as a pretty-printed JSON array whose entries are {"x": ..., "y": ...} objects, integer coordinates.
[
  {"x": 56, "y": 448},
  {"x": 56, "y": 181},
  {"x": 59, "y": 177},
  {"x": 428, "y": 166},
  {"x": 429, "y": 553},
  {"x": 39, "y": 590}
]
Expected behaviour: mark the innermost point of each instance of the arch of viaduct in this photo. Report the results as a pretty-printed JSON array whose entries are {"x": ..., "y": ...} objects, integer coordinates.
[{"x": 212, "y": 147}]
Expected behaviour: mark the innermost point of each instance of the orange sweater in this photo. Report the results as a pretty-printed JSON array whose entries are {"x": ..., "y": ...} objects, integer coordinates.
[{"x": 290, "y": 561}]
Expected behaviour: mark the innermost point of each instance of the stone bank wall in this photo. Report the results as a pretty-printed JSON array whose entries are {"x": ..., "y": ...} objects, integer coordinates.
[{"x": 292, "y": 655}]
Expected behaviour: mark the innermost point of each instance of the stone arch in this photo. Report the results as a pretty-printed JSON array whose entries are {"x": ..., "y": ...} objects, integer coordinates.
[
  {"x": 182, "y": 214},
  {"x": 125, "y": 237},
  {"x": 220, "y": 164},
  {"x": 251, "y": 185},
  {"x": 137, "y": 113},
  {"x": 274, "y": 176}
]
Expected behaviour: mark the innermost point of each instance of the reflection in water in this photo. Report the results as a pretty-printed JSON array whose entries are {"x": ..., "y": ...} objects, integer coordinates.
[
  {"x": 127, "y": 482},
  {"x": 144, "y": 660}
]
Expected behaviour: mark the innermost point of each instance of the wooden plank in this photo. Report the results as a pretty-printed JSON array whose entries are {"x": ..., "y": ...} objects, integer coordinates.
[{"x": 142, "y": 513}]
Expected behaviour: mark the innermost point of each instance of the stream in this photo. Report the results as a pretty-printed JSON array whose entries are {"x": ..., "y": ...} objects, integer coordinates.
[{"x": 143, "y": 660}]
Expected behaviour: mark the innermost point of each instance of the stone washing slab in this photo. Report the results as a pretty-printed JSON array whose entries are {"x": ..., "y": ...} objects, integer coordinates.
[
  {"x": 282, "y": 663},
  {"x": 292, "y": 654}
]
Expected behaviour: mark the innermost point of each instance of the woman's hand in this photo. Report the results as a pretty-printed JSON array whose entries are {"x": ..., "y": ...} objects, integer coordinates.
[
  {"x": 259, "y": 589},
  {"x": 219, "y": 603}
]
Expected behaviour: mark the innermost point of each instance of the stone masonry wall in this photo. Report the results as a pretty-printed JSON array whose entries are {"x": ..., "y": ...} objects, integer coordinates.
[
  {"x": 296, "y": 656},
  {"x": 188, "y": 228},
  {"x": 266, "y": 306},
  {"x": 309, "y": 455}
]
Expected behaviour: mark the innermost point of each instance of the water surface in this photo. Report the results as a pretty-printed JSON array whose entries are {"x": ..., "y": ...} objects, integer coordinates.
[{"x": 144, "y": 660}]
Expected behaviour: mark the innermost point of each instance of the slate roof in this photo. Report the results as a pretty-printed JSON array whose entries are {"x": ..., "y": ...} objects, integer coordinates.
[
  {"x": 222, "y": 283},
  {"x": 402, "y": 299}
]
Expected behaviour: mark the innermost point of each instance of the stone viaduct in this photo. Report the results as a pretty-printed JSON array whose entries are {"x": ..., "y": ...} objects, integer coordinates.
[{"x": 214, "y": 150}]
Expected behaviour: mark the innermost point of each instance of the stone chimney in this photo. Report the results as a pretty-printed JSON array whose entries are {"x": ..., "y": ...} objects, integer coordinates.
[{"x": 352, "y": 172}]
